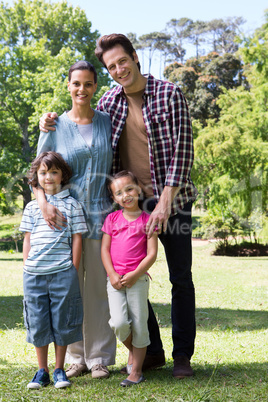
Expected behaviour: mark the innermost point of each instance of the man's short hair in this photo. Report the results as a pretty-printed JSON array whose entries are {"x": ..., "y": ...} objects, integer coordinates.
[{"x": 107, "y": 42}]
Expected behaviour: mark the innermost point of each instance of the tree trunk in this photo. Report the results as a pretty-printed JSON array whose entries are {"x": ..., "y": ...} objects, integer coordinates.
[{"x": 27, "y": 194}]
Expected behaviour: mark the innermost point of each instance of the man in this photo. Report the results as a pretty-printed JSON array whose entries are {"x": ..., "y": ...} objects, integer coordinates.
[{"x": 152, "y": 137}]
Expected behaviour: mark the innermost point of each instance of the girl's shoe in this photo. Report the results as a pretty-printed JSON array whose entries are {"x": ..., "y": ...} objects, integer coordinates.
[
  {"x": 128, "y": 383},
  {"x": 41, "y": 379},
  {"x": 60, "y": 379}
]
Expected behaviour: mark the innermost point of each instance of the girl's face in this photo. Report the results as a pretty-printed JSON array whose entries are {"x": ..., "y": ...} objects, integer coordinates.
[
  {"x": 82, "y": 87},
  {"x": 126, "y": 193},
  {"x": 49, "y": 180}
]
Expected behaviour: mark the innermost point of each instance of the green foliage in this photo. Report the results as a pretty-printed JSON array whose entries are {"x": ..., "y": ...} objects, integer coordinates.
[
  {"x": 38, "y": 43},
  {"x": 231, "y": 154},
  {"x": 203, "y": 79}
]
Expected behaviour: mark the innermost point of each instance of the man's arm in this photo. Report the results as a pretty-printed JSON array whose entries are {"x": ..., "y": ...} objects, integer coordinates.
[
  {"x": 47, "y": 122},
  {"x": 179, "y": 170},
  {"x": 159, "y": 217}
]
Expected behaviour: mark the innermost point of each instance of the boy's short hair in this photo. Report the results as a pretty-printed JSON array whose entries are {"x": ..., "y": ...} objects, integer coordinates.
[
  {"x": 119, "y": 175},
  {"x": 107, "y": 42},
  {"x": 50, "y": 159}
]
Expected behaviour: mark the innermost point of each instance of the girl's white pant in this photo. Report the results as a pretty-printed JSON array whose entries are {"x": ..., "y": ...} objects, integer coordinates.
[{"x": 129, "y": 311}]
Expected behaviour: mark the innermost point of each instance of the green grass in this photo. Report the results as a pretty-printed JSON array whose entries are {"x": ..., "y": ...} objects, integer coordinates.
[
  {"x": 230, "y": 360},
  {"x": 9, "y": 225}
]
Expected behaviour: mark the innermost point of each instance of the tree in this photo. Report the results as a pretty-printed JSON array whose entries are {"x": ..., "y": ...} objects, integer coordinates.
[
  {"x": 196, "y": 35},
  {"x": 202, "y": 81},
  {"x": 223, "y": 34},
  {"x": 231, "y": 154},
  {"x": 179, "y": 31},
  {"x": 152, "y": 42},
  {"x": 38, "y": 43}
]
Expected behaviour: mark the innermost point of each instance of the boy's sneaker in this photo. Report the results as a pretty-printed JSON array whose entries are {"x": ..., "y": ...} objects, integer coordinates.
[
  {"x": 60, "y": 379},
  {"x": 41, "y": 379}
]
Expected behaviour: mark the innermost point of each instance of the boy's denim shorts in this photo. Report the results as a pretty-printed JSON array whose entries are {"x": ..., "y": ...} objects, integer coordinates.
[{"x": 53, "y": 310}]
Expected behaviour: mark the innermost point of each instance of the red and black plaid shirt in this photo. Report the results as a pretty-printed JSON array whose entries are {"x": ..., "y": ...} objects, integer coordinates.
[{"x": 170, "y": 140}]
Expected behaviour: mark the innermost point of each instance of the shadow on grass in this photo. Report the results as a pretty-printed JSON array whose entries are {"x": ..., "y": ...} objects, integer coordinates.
[
  {"x": 208, "y": 319},
  {"x": 232, "y": 373},
  {"x": 11, "y": 312},
  {"x": 220, "y": 370}
]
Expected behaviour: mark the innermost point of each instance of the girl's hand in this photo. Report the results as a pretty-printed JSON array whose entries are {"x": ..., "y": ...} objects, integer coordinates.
[
  {"x": 129, "y": 279},
  {"x": 53, "y": 217},
  {"x": 115, "y": 280}
]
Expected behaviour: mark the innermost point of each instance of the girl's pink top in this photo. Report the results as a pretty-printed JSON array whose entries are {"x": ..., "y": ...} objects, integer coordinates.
[{"x": 129, "y": 240}]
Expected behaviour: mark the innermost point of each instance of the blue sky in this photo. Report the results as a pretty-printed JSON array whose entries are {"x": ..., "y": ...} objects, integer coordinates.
[{"x": 145, "y": 16}]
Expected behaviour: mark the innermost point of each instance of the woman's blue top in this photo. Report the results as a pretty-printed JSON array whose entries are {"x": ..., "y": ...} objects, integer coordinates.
[{"x": 90, "y": 166}]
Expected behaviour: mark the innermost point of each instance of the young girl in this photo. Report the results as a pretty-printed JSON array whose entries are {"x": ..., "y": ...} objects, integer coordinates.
[
  {"x": 127, "y": 254},
  {"x": 53, "y": 309}
]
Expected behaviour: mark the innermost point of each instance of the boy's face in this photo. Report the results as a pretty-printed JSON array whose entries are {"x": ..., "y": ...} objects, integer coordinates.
[
  {"x": 126, "y": 193},
  {"x": 49, "y": 180}
]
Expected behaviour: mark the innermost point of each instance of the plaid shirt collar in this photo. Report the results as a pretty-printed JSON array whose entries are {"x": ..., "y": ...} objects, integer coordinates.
[{"x": 150, "y": 88}]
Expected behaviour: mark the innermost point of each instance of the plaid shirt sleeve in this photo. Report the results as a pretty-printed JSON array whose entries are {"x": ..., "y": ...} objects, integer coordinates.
[{"x": 179, "y": 169}]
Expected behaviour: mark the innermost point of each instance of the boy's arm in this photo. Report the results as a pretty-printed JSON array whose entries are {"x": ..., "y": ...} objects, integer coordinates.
[
  {"x": 107, "y": 261},
  {"x": 76, "y": 249},
  {"x": 131, "y": 278},
  {"x": 51, "y": 214},
  {"x": 26, "y": 246}
]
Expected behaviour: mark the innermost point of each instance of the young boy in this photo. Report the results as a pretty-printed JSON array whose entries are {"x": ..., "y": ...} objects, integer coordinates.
[
  {"x": 53, "y": 309},
  {"x": 127, "y": 254}
]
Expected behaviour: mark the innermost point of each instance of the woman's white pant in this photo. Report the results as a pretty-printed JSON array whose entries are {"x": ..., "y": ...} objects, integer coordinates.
[{"x": 99, "y": 342}]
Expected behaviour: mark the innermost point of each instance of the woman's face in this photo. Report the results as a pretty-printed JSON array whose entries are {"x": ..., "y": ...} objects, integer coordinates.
[{"x": 82, "y": 87}]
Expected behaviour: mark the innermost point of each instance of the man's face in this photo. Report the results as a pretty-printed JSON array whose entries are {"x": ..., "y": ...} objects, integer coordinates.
[{"x": 122, "y": 67}]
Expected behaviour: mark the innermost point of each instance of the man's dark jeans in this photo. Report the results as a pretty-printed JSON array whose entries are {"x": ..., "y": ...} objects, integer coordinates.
[{"x": 177, "y": 242}]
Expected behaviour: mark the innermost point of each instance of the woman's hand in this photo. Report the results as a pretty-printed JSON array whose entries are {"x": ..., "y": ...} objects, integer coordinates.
[
  {"x": 53, "y": 217},
  {"x": 47, "y": 122}
]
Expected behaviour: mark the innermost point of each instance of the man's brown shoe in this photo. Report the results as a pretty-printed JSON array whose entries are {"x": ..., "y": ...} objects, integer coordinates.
[
  {"x": 154, "y": 361},
  {"x": 182, "y": 367},
  {"x": 150, "y": 362}
]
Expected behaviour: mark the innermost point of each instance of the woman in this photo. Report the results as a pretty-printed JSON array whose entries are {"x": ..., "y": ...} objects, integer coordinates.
[{"x": 83, "y": 138}]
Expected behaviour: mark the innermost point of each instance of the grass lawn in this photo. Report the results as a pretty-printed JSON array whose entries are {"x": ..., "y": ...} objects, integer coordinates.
[{"x": 230, "y": 360}]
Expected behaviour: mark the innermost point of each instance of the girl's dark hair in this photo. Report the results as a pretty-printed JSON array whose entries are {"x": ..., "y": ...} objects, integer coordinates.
[
  {"x": 107, "y": 42},
  {"x": 123, "y": 173},
  {"x": 83, "y": 65},
  {"x": 50, "y": 159}
]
